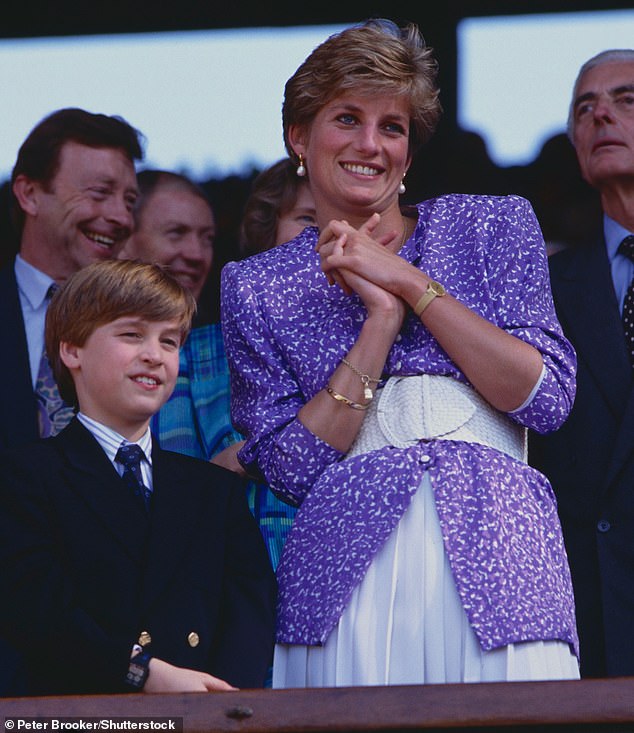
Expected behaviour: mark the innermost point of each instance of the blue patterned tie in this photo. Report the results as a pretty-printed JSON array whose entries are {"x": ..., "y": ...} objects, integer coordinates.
[
  {"x": 627, "y": 248},
  {"x": 130, "y": 456},
  {"x": 53, "y": 413}
]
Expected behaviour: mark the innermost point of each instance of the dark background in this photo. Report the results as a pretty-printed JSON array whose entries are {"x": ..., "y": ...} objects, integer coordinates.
[{"x": 454, "y": 161}]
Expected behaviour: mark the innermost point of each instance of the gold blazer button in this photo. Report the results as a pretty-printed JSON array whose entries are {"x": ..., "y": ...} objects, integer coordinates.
[
  {"x": 193, "y": 639},
  {"x": 145, "y": 638}
]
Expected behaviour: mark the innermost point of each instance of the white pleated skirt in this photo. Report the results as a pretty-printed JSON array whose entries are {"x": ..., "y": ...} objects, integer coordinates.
[{"x": 405, "y": 625}]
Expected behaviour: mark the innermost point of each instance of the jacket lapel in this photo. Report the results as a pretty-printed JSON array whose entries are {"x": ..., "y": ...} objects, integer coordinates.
[
  {"x": 18, "y": 409},
  {"x": 95, "y": 481},
  {"x": 593, "y": 324},
  {"x": 624, "y": 445},
  {"x": 174, "y": 518}
]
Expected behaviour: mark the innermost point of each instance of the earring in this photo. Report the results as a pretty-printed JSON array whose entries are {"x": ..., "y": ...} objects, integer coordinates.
[
  {"x": 401, "y": 188},
  {"x": 301, "y": 168}
]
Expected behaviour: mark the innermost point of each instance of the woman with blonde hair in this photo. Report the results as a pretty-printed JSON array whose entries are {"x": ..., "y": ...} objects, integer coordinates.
[{"x": 385, "y": 368}]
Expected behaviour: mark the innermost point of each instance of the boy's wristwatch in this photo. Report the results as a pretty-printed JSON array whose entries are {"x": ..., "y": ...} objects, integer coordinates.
[{"x": 139, "y": 670}]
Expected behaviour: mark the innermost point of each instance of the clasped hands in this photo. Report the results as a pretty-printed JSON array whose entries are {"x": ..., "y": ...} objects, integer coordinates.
[{"x": 359, "y": 262}]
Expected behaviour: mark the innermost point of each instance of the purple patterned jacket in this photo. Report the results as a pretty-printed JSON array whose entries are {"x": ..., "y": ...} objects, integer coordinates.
[{"x": 286, "y": 331}]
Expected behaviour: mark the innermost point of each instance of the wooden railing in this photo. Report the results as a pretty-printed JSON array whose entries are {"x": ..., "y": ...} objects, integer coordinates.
[{"x": 586, "y": 705}]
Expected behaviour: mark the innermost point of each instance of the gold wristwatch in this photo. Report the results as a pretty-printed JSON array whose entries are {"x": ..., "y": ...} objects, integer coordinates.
[{"x": 434, "y": 290}]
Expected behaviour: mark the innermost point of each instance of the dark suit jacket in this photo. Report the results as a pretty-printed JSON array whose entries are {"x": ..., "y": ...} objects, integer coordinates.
[
  {"x": 590, "y": 461},
  {"x": 84, "y": 570},
  {"x": 18, "y": 424},
  {"x": 18, "y": 408}
]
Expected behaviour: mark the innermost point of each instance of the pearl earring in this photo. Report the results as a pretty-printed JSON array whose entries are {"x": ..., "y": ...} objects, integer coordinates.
[
  {"x": 301, "y": 168},
  {"x": 401, "y": 188}
]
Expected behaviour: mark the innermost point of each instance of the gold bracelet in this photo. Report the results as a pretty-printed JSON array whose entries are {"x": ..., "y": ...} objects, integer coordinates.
[
  {"x": 345, "y": 400},
  {"x": 365, "y": 379}
]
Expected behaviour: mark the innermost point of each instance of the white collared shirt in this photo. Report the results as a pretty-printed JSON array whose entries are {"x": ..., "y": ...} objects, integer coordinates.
[
  {"x": 622, "y": 267},
  {"x": 33, "y": 286}
]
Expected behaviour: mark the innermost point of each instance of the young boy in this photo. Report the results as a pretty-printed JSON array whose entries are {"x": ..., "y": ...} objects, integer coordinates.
[{"x": 113, "y": 579}]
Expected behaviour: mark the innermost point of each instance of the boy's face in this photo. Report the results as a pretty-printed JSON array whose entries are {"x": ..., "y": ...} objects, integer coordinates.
[{"x": 125, "y": 371}]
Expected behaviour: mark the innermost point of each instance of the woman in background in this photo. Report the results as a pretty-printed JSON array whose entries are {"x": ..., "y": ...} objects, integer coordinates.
[{"x": 279, "y": 207}]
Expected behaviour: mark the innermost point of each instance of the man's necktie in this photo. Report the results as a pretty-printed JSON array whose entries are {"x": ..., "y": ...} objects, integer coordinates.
[
  {"x": 130, "y": 456},
  {"x": 627, "y": 248},
  {"x": 53, "y": 413}
]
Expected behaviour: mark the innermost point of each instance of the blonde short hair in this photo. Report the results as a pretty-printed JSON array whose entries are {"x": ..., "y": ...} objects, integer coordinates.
[
  {"x": 104, "y": 291},
  {"x": 373, "y": 57}
]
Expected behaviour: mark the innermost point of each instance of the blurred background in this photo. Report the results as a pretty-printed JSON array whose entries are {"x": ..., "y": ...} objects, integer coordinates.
[{"x": 204, "y": 84}]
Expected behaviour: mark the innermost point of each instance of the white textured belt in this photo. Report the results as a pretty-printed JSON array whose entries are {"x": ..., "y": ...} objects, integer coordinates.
[{"x": 429, "y": 407}]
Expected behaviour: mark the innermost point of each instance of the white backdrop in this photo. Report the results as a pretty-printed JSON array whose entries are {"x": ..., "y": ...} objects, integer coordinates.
[
  {"x": 515, "y": 74},
  {"x": 209, "y": 102}
]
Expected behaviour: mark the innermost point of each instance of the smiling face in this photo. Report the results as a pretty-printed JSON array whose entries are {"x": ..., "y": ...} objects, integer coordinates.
[
  {"x": 84, "y": 214},
  {"x": 176, "y": 229},
  {"x": 356, "y": 153},
  {"x": 603, "y": 132},
  {"x": 125, "y": 371}
]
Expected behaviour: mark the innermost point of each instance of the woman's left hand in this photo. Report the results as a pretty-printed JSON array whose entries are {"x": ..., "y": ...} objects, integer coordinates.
[
  {"x": 348, "y": 259},
  {"x": 346, "y": 251},
  {"x": 503, "y": 368}
]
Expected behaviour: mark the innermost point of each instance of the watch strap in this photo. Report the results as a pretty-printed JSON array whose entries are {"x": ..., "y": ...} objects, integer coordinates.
[
  {"x": 138, "y": 670},
  {"x": 434, "y": 290}
]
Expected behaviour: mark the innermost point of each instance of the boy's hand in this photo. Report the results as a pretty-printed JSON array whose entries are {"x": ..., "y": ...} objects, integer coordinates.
[{"x": 165, "y": 677}]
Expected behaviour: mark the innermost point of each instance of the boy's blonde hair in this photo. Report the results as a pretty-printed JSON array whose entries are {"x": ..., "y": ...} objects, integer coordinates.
[{"x": 104, "y": 291}]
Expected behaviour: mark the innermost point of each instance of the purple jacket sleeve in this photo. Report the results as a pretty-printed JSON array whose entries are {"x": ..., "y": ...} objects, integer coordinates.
[
  {"x": 519, "y": 286},
  {"x": 278, "y": 447}
]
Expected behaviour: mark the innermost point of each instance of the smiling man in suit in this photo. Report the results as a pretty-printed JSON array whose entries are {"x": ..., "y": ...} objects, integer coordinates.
[
  {"x": 590, "y": 460},
  {"x": 126, "y": 567},
  {"x": 74, "y": 188}
]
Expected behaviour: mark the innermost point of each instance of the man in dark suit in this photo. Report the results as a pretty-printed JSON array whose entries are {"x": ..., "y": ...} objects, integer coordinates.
[
  {"x": 590, "y": 460},
  {"x": 73, "y": 187},
  {"x": 118, "y": 574}
]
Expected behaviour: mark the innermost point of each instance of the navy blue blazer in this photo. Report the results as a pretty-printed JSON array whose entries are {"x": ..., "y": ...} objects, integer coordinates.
[
  {"x": 85, "y": 571},
  {"x": 18, "y": 408},
  {"x": 590, "y": 461},
  {"x": 18, "y": 424}
]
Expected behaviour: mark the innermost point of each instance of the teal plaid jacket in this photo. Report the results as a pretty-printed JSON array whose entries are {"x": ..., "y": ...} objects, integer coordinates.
[{"x": 196, "y": 420}]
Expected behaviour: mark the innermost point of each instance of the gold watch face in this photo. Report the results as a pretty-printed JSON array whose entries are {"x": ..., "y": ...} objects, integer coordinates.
[{"x": 436, "y": 288}]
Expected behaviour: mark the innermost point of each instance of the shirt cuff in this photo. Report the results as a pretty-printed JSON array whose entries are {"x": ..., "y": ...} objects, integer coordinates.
[{"x": 534, "y": 391}]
